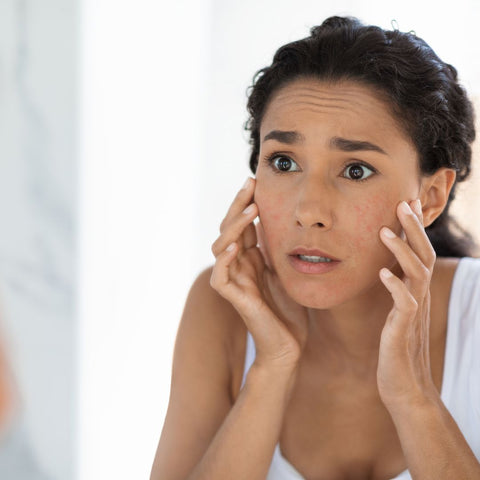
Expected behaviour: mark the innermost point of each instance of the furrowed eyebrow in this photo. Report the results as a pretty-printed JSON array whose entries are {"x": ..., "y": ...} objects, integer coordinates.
[
  {"x": 284, "y": 137},
  {"x": 354, "y": 145},
  {"x": 344, "y": 144}
]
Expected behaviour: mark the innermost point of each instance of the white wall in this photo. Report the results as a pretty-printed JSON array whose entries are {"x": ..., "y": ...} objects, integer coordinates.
[
  {"x": 143, "y": 78},
  {"x": 37, "y": 218}
]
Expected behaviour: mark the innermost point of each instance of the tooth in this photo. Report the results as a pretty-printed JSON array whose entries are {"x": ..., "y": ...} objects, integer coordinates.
[{"x": 314, "y": 258}]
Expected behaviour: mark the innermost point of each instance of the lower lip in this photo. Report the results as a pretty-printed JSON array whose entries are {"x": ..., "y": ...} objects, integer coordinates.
[{"x": 312, "y": 268}]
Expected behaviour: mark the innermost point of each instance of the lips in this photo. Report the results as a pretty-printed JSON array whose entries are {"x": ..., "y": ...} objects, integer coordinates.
[
  {"x": 313, "y": 252},
  {"x": 298, "y": 259}
]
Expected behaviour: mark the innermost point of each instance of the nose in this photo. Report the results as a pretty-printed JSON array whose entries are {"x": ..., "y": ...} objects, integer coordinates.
[{"x": 314, "y": 205}]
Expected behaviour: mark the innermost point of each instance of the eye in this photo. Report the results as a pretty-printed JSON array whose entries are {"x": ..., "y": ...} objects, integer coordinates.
[
  {"x": 358, "y": 171},
  {"x": 282, "y": 163}
]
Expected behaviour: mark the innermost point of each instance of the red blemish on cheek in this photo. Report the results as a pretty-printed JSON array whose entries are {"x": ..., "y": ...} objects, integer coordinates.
[
  {"x": 274, "y": 216},
  {"x": 371, "y": 216},
  {"x": 271, "y": 206}
]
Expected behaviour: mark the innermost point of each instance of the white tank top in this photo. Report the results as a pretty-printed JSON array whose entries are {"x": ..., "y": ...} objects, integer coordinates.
[{"x": 461, "y": 374}]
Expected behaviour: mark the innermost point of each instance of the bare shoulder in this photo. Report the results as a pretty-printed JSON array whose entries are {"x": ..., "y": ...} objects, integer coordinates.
[
  {"x": 443, "y": 273},
  {"x": 204, "y": 376},
  {"x": 442, "y": 279},
  {"x": 222, "y": 323}
]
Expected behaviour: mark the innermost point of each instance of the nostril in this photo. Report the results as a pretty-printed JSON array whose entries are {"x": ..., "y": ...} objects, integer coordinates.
[{"x": 318, "y": 224}]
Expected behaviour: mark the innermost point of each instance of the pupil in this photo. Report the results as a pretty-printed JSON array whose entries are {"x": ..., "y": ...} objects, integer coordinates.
[
  {"x": 284, "y": 164},
  {"x": 356, "y": 172}
]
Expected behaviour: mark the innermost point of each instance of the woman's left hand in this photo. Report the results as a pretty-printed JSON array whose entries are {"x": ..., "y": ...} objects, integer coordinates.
[{"x": 404, "y": 376}]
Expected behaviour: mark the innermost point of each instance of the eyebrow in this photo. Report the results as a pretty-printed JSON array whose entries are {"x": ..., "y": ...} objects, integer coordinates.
[
  {"x": 339, "y": 143},
  {"x": 284, "y": 137},
  {"x": 355, "y": 145}
]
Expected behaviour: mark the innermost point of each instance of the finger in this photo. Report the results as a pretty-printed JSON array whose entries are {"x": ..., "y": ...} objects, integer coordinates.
[
  {"x": 220, "y": 279},
  {"x": 416, "y": 272},
  {"x": 249, "y": 236},
  {"x": 405, "y": 303},
  {"x": 416, "y": 236},
  {"x": 258, "y": 262},
  {"x": 416, "y": 206},
  {"x": 240, "y": 202},
  {"x": 233, "y": 232}
]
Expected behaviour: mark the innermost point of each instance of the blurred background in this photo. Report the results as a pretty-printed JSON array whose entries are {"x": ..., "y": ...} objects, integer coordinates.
[{"x": 121, "y": 148}]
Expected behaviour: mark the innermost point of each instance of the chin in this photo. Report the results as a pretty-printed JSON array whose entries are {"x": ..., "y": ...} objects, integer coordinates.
[{"x": 316, "y": 296}]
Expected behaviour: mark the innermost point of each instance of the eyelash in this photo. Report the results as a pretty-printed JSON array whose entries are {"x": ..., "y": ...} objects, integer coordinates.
[{"x": 270, "y": 158}]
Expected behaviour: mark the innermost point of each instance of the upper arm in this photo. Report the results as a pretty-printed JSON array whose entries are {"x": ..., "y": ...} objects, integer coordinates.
[{"x": 199, "y": 395}]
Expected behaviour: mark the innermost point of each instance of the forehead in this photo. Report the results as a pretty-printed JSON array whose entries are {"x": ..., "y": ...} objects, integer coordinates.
[{"x": 347, "y": 105}]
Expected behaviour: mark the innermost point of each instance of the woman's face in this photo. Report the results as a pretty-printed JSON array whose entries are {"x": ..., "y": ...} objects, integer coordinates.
[{"x": 332, "y": 168}]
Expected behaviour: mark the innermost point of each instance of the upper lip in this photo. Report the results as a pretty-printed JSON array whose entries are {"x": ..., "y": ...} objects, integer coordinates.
[{"x": 311, "y": 252}]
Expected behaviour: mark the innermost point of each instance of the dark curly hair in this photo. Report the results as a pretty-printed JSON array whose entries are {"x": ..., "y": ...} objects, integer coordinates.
[{"x": 422, "y": 90}]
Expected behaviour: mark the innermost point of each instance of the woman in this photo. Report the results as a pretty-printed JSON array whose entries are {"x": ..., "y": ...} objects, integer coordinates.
[{"x": 317, "y": 346}]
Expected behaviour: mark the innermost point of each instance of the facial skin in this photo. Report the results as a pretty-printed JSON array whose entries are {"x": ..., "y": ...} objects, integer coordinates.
[{"x": 313, "y": 203}]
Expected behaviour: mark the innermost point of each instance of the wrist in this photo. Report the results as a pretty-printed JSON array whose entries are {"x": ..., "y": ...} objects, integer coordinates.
[
  {"x": 421, "y": 404},
  {"x": 274, "y": 377},
  {"x": 280, "y": 363}
]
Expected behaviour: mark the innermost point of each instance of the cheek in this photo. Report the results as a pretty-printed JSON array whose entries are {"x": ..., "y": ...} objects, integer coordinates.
[
  {"x": 371, "y": 216},
  {"x": 273, "y": 212}
]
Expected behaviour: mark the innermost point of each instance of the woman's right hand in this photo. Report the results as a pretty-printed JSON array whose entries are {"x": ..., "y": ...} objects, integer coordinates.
[{"x": 241, "y": 275}]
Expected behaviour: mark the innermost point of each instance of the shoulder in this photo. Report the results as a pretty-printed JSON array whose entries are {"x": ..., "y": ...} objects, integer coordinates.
[
  {"x": 445, "y": 267},
  {"x": 201, "y": 380},
  {"x": 219, "y": 322},
  {"x": 205, "y": 300},
  {"x": 442, "y": 278}
]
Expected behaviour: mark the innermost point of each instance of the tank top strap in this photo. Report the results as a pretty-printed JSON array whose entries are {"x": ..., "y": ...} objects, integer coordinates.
[{"x": 250, "y": 354}]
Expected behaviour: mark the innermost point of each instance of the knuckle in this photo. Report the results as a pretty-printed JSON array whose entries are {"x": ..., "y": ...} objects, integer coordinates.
[
  {"x": 432, "y": 257},
  {"x": 423, "y": 273},
  {"x": 411, "y": 306},
  {"x": 213, "y": 281},
  {"x": 215, "y": 249}
]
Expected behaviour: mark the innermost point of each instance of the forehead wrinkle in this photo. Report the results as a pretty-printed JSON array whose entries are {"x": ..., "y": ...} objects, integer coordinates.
[
  {"x": 289, "y": 99},
  {"x": 320, "y": 90},
  {"x": 307, "y": 95},
  {"x": 329, "y": 103},
  {"x": 295, "y": 93},
  {"x": 316, "y": 107},
  {"x": 312, "y": 108},
  {"x": 363, "y": 105}
]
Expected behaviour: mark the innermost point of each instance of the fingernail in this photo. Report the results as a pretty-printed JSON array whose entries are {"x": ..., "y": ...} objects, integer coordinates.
[
  {"x": 231, "y": 247},
  {"x": 388, "y": 233},
  {"x": 246, "y": 184},
  {"x": 248, "y": 210},
  {"x": 417, "y": 207},
  {"x": 385, "y": 273},
  {"x": 405, "y": 208}
]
